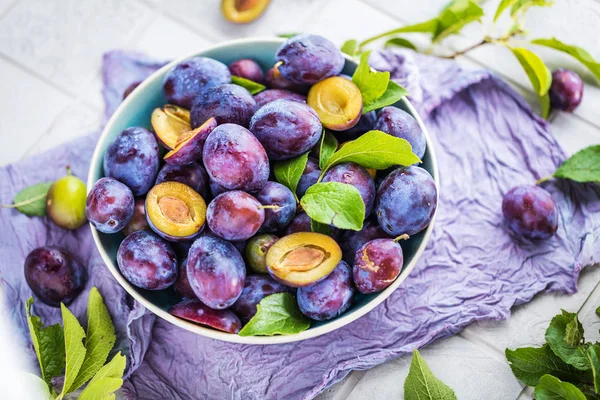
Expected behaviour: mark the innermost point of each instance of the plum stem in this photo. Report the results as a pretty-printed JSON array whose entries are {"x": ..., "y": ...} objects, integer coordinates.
[
  {"x": 274, "y": 207},
  {"x": 68, "y": 170},
  {"x": 404, "y": 236},
  {"x": 542, "y": 180}
]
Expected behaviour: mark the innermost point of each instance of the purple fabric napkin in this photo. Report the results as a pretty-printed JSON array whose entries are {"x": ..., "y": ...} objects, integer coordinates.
[{"x": 487, "y": 139}]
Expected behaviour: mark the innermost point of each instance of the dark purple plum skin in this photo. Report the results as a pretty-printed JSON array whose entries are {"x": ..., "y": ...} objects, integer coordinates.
[
  {"x": 216, "y": 189},
  {"x": 377, "y": 264},
  {"x": 130, "y": 89},
  {"x": 309, "y": 177},
  {"x": 147, "y": 261},
  {"x": 286, "y": 128},
  {"x": 54, "y": 275},
  {"x": 275, "y": 194},
  {"x": 351, "y": 241},
  {"x": 300, "y": 223},
  {"x": 194, "y": 311},
  {"x": 191, "y": 77},
  {"x": 406, "y": 201},
  {"x": 109, "y": 206},
  {"x": 308, "y": 59},
  {"x": 248, "y": 69},
  {"x": 400, "y": 124},
  {"x": 530, "y": 212},
  {"x": 133, "y": 158},
  {"x": 365, "y": 124},
  {"x": 235, "y": 215},
  {"x": 277, "y": 81},
  {"x": 191, "y": 149},
  {"x": 269, "y": 95},
  {"x": 227, "y": 103},
  {"x": 182, "y": 284},
  {"x": 194, "y": 175},
  {"x": 183, "y": 248},
  {"x": 566, "y": 90},
  {"x": 330, "y": 297},
  {"x": 216, "y": 272},
  {"x": 256, "y": 288},
  {"x": 240, "y": 245},
  {"x": 355, "y": 175},
  {"x": 235, "y": 159},
  {"x": 138, "y": 221}
]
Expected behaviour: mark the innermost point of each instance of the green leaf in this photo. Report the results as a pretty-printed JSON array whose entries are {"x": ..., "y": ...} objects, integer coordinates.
[
  {"x": 583, "y": 166},
  {"x": 251, "y": 86},
  {"x": 320, "y": 228},
  {"x": 100, "y": 338},
  {"x": 456, "y": 16},
  {"x": 529, "y": 364},
  {"x": 329, "y": 145},
  {"x": 577, "y": 52},
  {"x": 555, "y": 336},
  {"x": 374, "y": 149},
  {"x": 48, "y": 343},
  {"x": 504, "y": 4},
  {"x": 288, "y": 172},
  {"x": 39, "y": 386},
  {"x": 392, "y": 94},
  {"x": 429, "y": 26},
  {"x": 277, "y": 314},
  {"x": 545, "y": 105},
  {"x": 334, "y": 203},
  {"x": 520, "y": 7},
  {"x": 75, "y": 351},
  {"x": 594, "y": 358},
  {"x": 106, "y": 381},
  {"x": 598, "y": 311},
  {"x": 350, "y": 47},
  {"x": 289, "y": 35},
  {"x": 400, "y": 42},
  {"x": 537, "y": 72},
  {"x": 551, "y": 388},
  {"x": 421, "y": 384},
  {"x": 372, "y": 84},
  {"x": 31, "y": 201},
  {"x": 573, "y": 331}
]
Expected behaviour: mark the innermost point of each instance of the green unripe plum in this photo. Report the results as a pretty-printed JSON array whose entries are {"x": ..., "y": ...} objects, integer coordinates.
[
  {"x": 256, "y": 251},
  {"x": 66, "y": 202}
]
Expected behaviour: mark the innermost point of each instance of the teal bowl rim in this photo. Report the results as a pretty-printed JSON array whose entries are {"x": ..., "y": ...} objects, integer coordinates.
[{"x": 331, "y": 326}]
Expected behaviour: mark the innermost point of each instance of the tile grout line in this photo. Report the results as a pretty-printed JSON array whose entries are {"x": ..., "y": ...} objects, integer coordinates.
[{"x": 8, "y": 9}]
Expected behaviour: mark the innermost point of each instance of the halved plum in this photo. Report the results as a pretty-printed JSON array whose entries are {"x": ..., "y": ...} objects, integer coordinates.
[
  {"x": 190, "y": 144},
  {"x": 303, "y": 258},
  {"x": 175, "y": 211},
  {"x": 243, "y": 11},
  {"x": 337, "y": 101},
  {"x": 196, "y": 311},
  {"x": 169, "y": 123}
]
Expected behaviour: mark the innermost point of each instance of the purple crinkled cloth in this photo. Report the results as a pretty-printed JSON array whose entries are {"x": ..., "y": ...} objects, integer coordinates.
[{"x": 487, "y": 140}]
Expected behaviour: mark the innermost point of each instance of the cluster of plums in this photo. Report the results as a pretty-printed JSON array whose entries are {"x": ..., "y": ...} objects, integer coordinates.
[{"x": 212, "y": 223}]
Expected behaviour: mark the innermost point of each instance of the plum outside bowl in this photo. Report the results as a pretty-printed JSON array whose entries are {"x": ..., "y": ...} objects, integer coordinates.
[{"x": 136, "y": 110}]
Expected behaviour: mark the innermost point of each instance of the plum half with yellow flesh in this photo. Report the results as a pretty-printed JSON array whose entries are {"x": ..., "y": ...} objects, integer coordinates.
[
  {"x": 169, "y": 123},
  {"x": 190, "y": 144}
]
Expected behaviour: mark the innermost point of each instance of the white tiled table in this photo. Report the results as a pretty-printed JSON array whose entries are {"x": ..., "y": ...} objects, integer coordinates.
[{"x": 50, "y": 78}]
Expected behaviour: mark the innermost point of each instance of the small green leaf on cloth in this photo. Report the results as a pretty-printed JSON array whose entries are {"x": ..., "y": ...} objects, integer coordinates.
[
  {"x": 334, "y": 203},
  {"x": 31, "y": 201},
  {"x": 583, "y": 166},
  {"x": 578, "y": 53},
  {"x": 288, "y": 172},
  {"x": 552, "y": 388},
  {"x": 251, "y": 86},
  {"x": 421, "y": 384},
  {"x": 277, "y": 314}
]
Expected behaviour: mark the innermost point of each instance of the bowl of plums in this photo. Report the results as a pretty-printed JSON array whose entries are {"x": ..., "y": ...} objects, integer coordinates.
[{"x": 264, "y": 190}]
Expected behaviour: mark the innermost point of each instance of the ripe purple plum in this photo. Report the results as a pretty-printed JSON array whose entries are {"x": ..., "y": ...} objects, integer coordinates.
[
  {"x": 226, "y": 103},
  {"x": 300, "y": 223},
  {"x": 351, "y": 241},
  {"x": 133, "y": 158},
  {"x": 216, "y": 189},
  {"x": 182, "y": 284},
  {"x": 256, "y": 288},
  {"x": 130, "y": 89},
  {"x": 377, "y": 264},
  {"x": 193, "y": 175},
  {"x": 235, "y": 159},
  {"x": 109, "y": 205},
  {"x": 400, "y": 124},
  {"x": 337, "y": 101},
  {"x": 191, "y": 77},
  {"x": 308, "y": 59},
  {"x": 235, "y": 215},
  {"x": 216, "y": 272},
  {"x": 286, "y": 128},
  {"x": 406, "y": 201},
  {"x": 54, "y": 275},
  {"x": 566, "y": 90},
  {"x": 147, "y": 261},
  {"x": 138, "y": 221},
  {"x": 266, "y": 96},
  {"x": 329, "y": 298},
  {"x": 194, "y": 311},
  {"x": 276, "y": 195},
  {"x": 355, "y": 175},
  {"x": 256, "y": 252},
  {"x": 530, "y": 212},
  {"x": 277, "y": 81},
  {"x": 248, "y": 69},
  {"x": 309, "y": 177}
]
